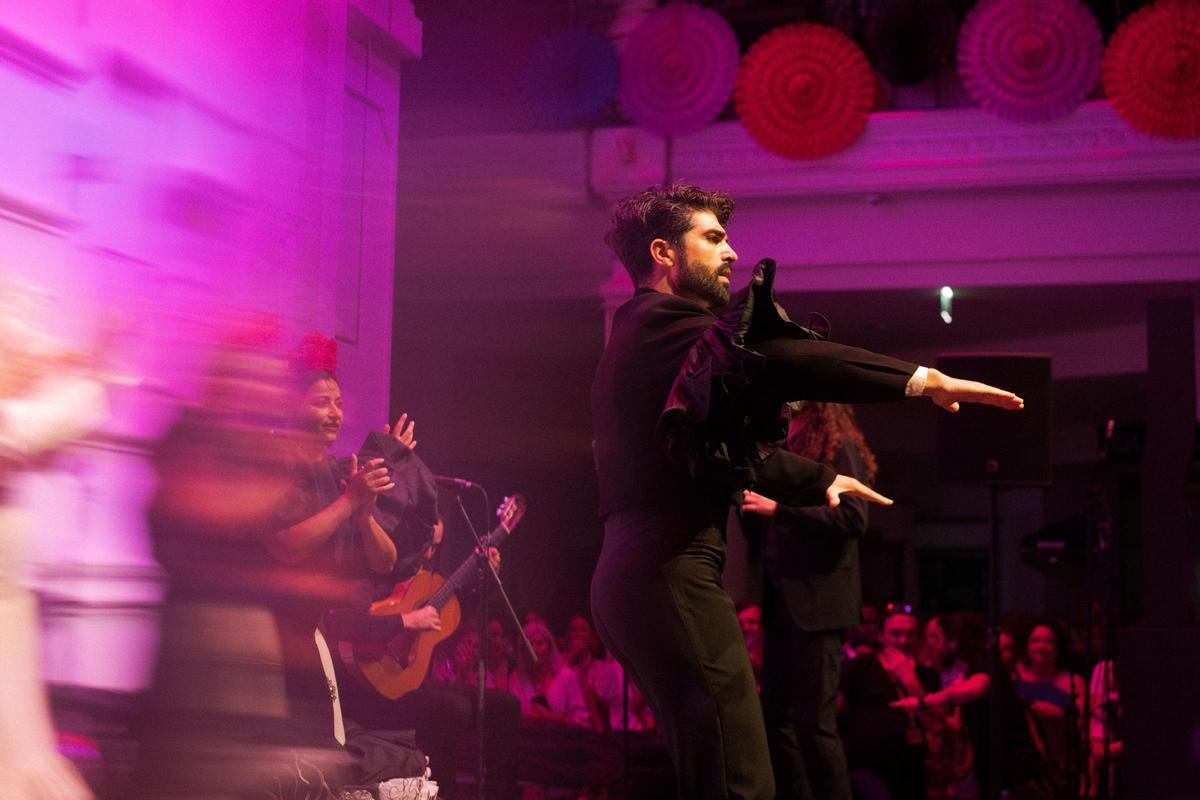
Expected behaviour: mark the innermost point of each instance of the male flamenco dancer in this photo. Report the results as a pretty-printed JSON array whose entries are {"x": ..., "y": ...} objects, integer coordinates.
[{"x": 686, "y": 406}]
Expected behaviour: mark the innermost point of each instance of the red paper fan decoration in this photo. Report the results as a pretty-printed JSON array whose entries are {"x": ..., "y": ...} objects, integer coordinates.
[
  {"x": 1029, "y": 61},
  {"x": 677, "y": 69},
  {"x": 804, "y": 91},
  {"x": 1152, "y": 69}
]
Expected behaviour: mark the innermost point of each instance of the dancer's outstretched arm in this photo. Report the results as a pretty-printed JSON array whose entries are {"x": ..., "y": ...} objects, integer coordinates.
[{"x": 807, "y": 369}]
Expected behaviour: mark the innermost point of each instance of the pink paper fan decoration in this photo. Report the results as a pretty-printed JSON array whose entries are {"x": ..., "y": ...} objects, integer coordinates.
[
  {"x": 804, "y": 91},
  {"x": 677, "y": 69},
  {"x": 1152, "y": 69},
  {"x": 1029, "y": 60}
]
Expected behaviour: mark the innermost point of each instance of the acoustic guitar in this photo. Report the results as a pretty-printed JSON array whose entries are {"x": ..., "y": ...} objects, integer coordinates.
[{"x": 396, "y": 665}]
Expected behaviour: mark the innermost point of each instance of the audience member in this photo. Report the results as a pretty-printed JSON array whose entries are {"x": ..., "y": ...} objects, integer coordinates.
[
  {"x": 1054, "y": 697},
  {"x": 1022, "y": 772},
  {"x": 949, "y": 761},
  {"x": 749, "y": 616},
  {"x": 500, "y": 654},
  {"x": 885, "y": 744},
  {"x": 549, "y": 689},
  {"x": 604, "y": 681},
  {"x": 559, "y": 746},
  {"x": 863, "y": 638},
  {"x": 939, "y": 649},
  {"x": 459, "y": 658},
  {"x": 1013, "y": 625},
  {"x": 584, "y": 654},
  {"x": 1008, "y": 655}
]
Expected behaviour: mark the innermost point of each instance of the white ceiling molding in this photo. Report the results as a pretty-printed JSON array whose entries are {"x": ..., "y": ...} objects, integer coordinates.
[{"x": 942, "y": 150}]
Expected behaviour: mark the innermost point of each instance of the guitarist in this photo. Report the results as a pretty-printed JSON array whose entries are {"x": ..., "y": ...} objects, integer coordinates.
[{"x": 329, "y": 523}]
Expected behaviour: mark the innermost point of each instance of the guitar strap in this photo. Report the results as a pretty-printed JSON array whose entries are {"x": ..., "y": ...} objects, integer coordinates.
[{"x": 339, "y": 725}]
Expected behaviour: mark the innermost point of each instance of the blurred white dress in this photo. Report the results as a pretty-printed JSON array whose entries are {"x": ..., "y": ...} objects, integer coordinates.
[{"x": 41, "y": 408}]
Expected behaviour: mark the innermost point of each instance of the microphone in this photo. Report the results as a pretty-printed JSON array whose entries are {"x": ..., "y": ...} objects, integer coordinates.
[{"x": 460, "y": 483}]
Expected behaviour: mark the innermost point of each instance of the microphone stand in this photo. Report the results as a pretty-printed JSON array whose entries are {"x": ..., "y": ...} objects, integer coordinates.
[
  {"x": 485, "y": 565},
  {"x": 1099, "y": 555}
]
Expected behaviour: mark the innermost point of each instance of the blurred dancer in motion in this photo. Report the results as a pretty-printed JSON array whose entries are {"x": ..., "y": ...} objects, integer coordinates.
[
  {"x": 48, "y": 396},
  {"x": 218, "y": 704}
]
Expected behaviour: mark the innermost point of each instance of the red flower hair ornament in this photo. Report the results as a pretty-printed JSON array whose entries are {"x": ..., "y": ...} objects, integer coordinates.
[{"x": 315, "y": 353}]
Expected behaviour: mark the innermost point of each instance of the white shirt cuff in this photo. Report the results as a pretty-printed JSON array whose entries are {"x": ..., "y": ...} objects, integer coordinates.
[{"x": 916, "y": 384}]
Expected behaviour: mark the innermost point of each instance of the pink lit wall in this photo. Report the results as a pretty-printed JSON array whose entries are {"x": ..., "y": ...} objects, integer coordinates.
[{"x": 169, "y": 167}]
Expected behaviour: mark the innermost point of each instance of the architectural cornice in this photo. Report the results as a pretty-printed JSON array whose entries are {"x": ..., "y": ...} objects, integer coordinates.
[
  {"x": 1000, "y": 269},
  {"x": 950, "y": 149}
]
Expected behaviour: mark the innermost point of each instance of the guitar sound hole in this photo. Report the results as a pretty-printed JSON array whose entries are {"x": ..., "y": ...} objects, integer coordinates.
[{"x": 402, "y": 647}]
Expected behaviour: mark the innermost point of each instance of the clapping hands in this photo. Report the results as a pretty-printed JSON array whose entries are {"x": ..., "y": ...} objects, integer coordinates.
[{"x": 366, "y": 482}]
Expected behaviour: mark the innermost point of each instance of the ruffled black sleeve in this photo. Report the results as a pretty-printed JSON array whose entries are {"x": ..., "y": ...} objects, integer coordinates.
[{"x": 726, "y": 413}]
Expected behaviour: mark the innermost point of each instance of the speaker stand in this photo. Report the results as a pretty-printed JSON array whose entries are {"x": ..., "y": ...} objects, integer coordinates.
[{"x": 995, "y": 664}]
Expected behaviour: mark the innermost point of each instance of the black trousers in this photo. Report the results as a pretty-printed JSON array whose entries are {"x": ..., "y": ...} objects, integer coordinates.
[
  {"x": 659, "y": 606},
  {"x": 800, "y": 684},
  {"x": 443, "y": 716}
]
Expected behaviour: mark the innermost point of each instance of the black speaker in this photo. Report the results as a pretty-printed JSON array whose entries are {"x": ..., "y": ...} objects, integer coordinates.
[{"x": 990, "y": 446}]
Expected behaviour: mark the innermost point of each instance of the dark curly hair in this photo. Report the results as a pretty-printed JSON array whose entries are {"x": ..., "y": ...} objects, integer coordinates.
[
  {"x": 660, "y": 212},
  {"x": 818, "y": 429}
]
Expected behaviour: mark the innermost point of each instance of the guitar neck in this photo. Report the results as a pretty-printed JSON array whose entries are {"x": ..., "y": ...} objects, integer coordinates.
[{"x": 465, "y": 571}]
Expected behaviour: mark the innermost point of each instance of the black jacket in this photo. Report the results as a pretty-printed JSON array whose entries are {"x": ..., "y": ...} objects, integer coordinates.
[
  {"x": 671, "y": 359},
  {"x": 812, "y": 556}
]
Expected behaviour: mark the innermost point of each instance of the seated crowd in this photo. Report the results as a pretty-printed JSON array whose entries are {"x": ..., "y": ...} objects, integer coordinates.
[
  {"x": 573, "y": 681},
  {"x": 913, "y": 706},
  {"x": 576, "y": 707}
]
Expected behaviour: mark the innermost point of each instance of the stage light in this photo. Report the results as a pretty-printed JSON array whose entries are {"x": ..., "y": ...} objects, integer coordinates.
[{"x": 947, "y": 297}]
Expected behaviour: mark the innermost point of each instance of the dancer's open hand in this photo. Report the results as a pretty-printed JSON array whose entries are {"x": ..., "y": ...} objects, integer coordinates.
[
  {"x": 844, "y": 484},
  {"x": 949, "y": 392}
]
